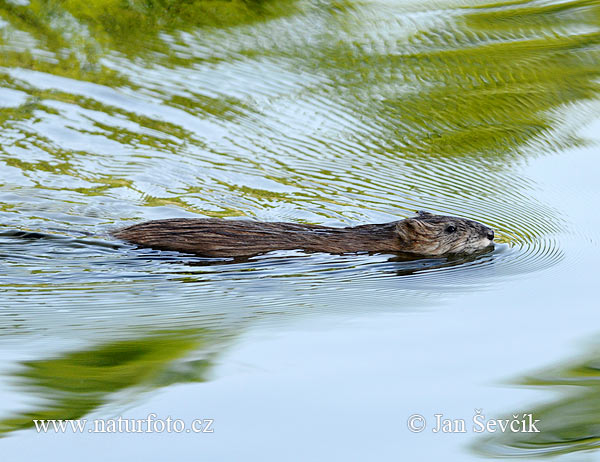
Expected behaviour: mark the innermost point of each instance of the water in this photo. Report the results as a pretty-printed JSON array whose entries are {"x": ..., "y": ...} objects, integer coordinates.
[{"x": 336, "y": 113}]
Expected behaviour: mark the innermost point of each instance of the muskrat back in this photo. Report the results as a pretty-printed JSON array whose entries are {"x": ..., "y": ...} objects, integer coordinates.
[{"x": 425, "y": 234}]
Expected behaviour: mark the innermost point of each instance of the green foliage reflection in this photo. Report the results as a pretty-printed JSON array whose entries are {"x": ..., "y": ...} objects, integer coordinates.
[
  {"x": 491, "y": 78},
  {"x": 568, "y": 424},
  {"x": 79, "y": 382}
]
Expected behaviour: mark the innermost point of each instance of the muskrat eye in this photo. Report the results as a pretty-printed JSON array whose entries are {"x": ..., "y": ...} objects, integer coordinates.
[{"x": 450, "y": 229}]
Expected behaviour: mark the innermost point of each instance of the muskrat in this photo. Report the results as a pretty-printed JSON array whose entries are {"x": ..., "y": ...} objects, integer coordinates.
[{"x": 424, "y": 235}]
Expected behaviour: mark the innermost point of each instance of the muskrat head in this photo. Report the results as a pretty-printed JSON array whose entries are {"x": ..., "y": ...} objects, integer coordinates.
[{"x": 428, "y": 234}]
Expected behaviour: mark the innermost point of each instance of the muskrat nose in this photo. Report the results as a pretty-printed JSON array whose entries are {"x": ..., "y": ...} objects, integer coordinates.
[{"x": 490, "y": 235}]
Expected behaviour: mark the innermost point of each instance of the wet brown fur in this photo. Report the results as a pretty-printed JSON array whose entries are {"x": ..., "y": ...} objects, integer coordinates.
[{"x": 422, "y": 235}]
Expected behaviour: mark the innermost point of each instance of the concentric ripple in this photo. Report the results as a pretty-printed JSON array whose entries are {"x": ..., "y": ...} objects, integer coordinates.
[{"x": 91, "y": 273}]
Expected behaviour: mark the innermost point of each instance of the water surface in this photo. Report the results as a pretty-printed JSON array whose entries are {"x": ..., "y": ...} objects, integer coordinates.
[{"x": 329, "y": 112}]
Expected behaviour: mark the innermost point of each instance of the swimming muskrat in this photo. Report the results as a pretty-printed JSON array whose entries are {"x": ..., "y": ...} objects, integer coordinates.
[{"x": 423, "y": 235}]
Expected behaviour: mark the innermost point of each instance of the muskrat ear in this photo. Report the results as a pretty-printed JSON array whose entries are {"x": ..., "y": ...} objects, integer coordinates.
[{"x": 423, "y": 214}]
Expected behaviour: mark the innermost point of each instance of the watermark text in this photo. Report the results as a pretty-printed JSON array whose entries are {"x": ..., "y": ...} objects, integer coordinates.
[
  {"x": 440, "y": 423},
  {"x": 151, "y": 424}
]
